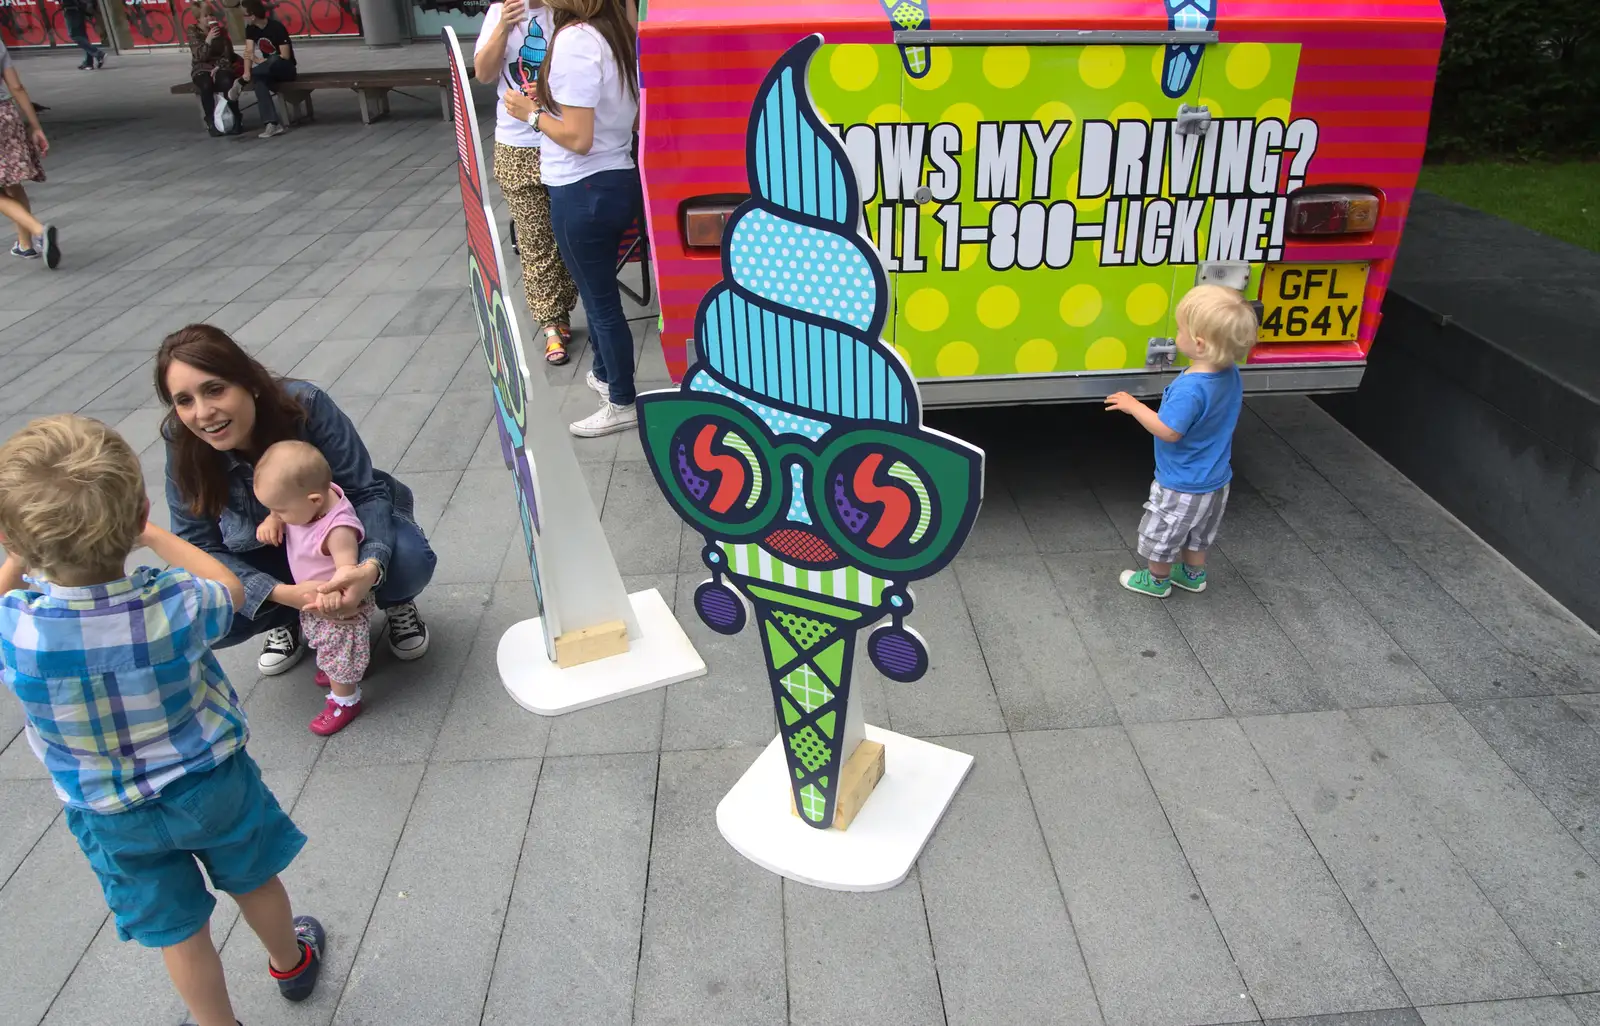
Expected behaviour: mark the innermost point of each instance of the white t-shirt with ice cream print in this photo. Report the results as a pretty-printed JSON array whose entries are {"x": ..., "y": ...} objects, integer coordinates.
[{"x": 525, "y": 49}]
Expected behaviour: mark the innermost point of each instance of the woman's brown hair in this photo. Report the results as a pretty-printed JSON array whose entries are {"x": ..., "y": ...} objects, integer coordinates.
[
  {"x": 611, "y": 21},
  {"x": 201, "y": 471}
]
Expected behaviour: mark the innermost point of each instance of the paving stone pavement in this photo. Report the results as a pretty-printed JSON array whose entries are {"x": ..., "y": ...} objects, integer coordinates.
[{"x": 1356, "y": 783}]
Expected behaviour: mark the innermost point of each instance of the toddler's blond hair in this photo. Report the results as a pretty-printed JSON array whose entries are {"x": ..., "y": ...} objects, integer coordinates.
[
  {"x": 297, "y": 468},
  {"x": 1221, "y": 321},
  {"x": 71, "y": 496}
]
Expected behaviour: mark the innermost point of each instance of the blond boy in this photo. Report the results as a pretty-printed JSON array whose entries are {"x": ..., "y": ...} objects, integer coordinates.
[
  {"x": 1193, "y": 441},
  {"x": 132, "y": 715}
]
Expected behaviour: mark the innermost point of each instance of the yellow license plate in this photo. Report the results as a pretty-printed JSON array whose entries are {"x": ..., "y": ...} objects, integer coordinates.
[{"x": 1311, "y": 302}]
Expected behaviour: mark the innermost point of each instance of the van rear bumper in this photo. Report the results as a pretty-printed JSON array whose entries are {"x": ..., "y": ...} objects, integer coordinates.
[{"x": 1090, "y": 386}]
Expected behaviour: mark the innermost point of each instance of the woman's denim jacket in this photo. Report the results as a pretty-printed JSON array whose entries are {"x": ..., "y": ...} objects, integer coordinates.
[{"x": 377, "y": 497}]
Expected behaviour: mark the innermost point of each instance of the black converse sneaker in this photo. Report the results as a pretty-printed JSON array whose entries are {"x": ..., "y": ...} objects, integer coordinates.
[
  {"x": 408, "y": 635},
  {"x": 282, "y": 649},
  {"x": 298, "y": 983}
]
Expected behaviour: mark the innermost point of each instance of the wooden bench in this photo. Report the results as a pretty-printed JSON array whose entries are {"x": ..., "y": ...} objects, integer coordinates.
[{"x": 371, "y": 88}]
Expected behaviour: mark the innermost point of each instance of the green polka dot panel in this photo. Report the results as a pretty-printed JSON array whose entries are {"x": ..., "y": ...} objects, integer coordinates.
[
  {"x": 805, "y": 631},
  {"x": 989, "y": 315},
  {"x": 808, "y": 746}
]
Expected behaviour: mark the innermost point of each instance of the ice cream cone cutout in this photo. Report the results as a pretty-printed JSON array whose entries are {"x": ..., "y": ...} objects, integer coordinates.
[{"x": 795, "y": 445}]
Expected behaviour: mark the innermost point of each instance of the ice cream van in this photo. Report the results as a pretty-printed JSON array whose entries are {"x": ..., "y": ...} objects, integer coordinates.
[{"x": 1045, "y": 179}]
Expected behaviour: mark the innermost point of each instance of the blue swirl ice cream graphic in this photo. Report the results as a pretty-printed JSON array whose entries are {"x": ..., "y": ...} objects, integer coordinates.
[
  {"x": 1183, "y": 59},
  {"x": 795, "y": 445},
  {"x": 530, "y": 55}
]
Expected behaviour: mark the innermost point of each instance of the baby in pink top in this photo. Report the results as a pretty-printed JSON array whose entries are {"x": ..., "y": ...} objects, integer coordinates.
[{"x": 320, "y": 532}]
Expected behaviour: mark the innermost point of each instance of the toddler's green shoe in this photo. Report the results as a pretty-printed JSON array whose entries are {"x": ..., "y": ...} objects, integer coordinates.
[
  {"x": 1142, "y": 582},
  {"x": 1181, "y": 579}
]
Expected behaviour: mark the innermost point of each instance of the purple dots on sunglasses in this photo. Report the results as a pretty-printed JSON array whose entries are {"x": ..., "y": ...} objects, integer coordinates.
[{"x": 696, "y": 485}]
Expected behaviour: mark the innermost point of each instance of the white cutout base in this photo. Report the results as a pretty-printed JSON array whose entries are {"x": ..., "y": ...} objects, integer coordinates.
[
  {"x": 665, "y": 655},
  {"x": 883, "y": 842}
]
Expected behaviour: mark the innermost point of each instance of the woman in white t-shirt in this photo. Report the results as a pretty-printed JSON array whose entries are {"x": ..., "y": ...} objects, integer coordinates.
[
  {"x": 511, "y": 48},
  {"x": 586, "y": 103}
]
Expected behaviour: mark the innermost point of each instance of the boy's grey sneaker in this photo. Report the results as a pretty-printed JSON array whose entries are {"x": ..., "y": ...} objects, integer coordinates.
[
  {"x": 1181, "y": 579},
  {"x": 298, "y": 984},
  {"x": 1144, "y": 582}
]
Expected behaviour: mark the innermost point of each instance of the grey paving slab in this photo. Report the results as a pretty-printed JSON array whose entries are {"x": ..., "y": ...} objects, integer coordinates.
[
  {"x": 332, "y": 357},
  {"x": 1384, "y": 1017},
  {"x": 450, "y": 434},
  {"x": 1586, "y": 1007},
  {"x": 641, "y": 527},
  {"x": 477, "y": 527},
  {"x": 955, "y": 695},
  {"x": 482, "y": 721},
  {"x": 27, "y": 808},
  {"x": 1357, "y": 661},
  {"x": 1383, "y": 495},
  {"x": 1441, "y": 937},
  {"x": 1152, "y": 947},
  {"x": 1534, "y": 1012},
  {"x": 1293, "y": 487},
  {"x": 1454, "y": 651},
  {"x": 392, "y": 424},
  {"x": 569, "y": 950},
  {"x": 1251, "y": 662},
  {"x": 835, "y": 978},
  {"x": 377, "y": 366},
  {"x": 1540, "y": 880},
  {"x": 465, "y": 814},
  {"x": 712, "y": 949},
  {"x": 1148, "y": 668},
  {"x": 1265, "y": 882},
  {"x": 1060, "y": 511},
  {"x": 1000, "y": 529},
  {"x": 1001, "y": 933},
  {"x": 1524, "y": 618},
  {"x": 1035, "y": 657},
  {"x": 53, "y": 887},
  {"x": 1555, "y": 752}
]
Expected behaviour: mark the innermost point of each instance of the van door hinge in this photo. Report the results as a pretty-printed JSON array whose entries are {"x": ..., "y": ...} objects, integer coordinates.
[
  {"x": 1159, "y": 353},
  {"x": 1193, "y": 120}
]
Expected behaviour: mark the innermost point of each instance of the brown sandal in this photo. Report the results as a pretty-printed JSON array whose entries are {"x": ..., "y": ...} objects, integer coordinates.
[{"x": 556, "y": 337}]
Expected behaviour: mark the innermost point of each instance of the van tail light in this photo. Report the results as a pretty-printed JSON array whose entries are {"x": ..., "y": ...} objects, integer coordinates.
[
  {"x": 1333, "y": 212},
  {"x": 704, "y": 218}
]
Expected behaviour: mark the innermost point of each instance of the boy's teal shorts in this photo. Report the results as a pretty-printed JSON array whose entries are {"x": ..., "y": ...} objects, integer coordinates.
[{"x": 148, "y": 859}]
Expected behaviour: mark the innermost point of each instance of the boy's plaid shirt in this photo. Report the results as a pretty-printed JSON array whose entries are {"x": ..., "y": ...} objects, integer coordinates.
[{"x": 120, "y": 688}]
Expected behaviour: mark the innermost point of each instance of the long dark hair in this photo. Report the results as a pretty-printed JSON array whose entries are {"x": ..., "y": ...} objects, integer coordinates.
[
  {"x": 611, "y": 21},
  {"x": 200, "y": 470}
]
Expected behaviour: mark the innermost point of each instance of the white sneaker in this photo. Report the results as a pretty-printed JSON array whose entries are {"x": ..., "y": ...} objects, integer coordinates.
[
  {"x": 600, "y": 388},
  {"x": 283, "y": 648},
  {"x": 609, "y": 419},
  {"x": 273, "y": 129},
  {"x": 235, "y": 90}
]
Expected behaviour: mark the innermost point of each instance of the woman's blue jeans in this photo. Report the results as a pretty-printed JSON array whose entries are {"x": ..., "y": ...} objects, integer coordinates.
[
  {"x": 589, "y": 218},
  {"x": 409, "y": 571}
]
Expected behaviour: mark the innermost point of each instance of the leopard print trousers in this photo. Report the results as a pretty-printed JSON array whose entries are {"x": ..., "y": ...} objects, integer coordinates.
[{"x": 545, "y": 281}]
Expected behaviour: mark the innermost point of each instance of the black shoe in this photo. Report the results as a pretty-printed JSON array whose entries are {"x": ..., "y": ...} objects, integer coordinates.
[
  {"x": 313, "y": 941},
  {"x": 100, "y": 61},
  {"x": 408, "y": 635},
  {"x": 282, "y": 649},
  {"x": 86, "y": 66},
  {"x": 211, "y": 130}
]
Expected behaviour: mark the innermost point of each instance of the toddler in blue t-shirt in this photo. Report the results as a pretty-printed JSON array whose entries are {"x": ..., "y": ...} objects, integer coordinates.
[{"x": 1194, "y": 441}]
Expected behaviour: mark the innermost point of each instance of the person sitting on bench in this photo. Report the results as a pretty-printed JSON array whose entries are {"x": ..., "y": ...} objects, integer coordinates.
[
  {"x": 213, "y": 65},
  {"x": 269, "y": 59}
]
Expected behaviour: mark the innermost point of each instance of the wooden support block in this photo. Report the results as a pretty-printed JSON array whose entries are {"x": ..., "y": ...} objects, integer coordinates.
[
  {"x": 587, "y": 644},
  {"x": 861, "y": 774}
]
